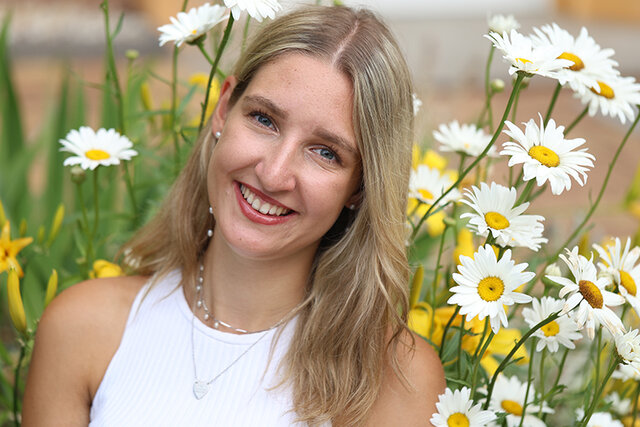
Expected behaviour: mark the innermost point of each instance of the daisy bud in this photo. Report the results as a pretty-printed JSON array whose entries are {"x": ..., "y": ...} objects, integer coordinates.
[
  {"x": 552, "y": 270},
  {"x": 52, "y": 287},
  {"x": 132, "y": 54},
  {"x": 41, "y": 232},
  {"x": 16, "y": 308},
  {"x": 497, "y": 85},
  {"x": 3, "y": 217},
  {"x": 524, "y": 83},
  {"x": 416, "y": 286},
  {"x": 78, "y": 175},
  {"x": 57, "y": 222}
]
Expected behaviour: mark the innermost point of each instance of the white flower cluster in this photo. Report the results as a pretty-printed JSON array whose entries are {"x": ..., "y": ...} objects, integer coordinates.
[{"x": 578, "y": 62}]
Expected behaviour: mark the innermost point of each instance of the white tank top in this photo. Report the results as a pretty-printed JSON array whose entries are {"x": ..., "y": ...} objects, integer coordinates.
[{"x": 149, "y": 381}]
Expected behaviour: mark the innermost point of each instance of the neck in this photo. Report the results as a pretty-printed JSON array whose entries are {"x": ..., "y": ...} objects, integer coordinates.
[{"x": 251, "y": 294}]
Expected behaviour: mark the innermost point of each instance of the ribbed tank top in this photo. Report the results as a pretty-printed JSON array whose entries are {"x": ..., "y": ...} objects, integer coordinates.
[{"x": 149, "y": 381}]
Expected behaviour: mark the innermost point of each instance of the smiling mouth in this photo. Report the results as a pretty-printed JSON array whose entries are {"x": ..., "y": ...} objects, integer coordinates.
[{"x": 260, "y": 205}]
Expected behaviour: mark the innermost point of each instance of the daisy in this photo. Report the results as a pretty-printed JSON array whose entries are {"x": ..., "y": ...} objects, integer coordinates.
[
  {"x": 589, "y": 62},
  {"x": 502, "y": 23},
  {"x": 427, "y": 184},
  {"x": 625, "y": 373},
  {"x": 467, "y": 139},
  {"x": 495, "y": 212},
  {"x": 546, "y": 155},
  {"x": 618, "y": 405},
  {"x": 563, "y": 330},
  {"x": 523, "y": 55},
  {"x": 628, "y": 348},
  {"x": 614, "y": 96},
  {"x": 599, "y": 419},
  {"x": 509, "y": 395},
  {"x": 621, "y": 267},
  {"x": 257, "y": 9},
  {"x": 92, "y": 149},
  {"x": 455, "y": 409},
  {"x": 485, "y": 285},
  {"x": 587, "y": 293},
  {"x": 189, "y": 26}
]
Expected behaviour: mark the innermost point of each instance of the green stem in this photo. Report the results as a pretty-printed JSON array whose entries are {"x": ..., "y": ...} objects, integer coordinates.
[
  {"x": 435, "y": 280},
  {"x": 552, "y": 104},
  {"x": 515, "y": 108},
  {"x": 576, "y": 121},
  {"x": 214, "y": 67},
  {"x": 541, "y": 387},
  {"x": 460, "y": 336},
  {"x": 446, "y": 329},
  {"x": 529, "y": 380},
  {"x": 113, "y": 71},
  {"x": 477, "y": 357},
  {"x": 85, "y": 225},
  {"x": 16, "y": 385},
  {"x": 513, "y": 351},
  {"x": 204, "y": 52},
  {"x": 597, "y": 356},
  {"x": 96, "y": 205},
  {"x": 174, "y": 112},
  {"x": 526, "y": 192},
  {"x": 615, "y": 359},
  {"x": 487, "y": 88},
  {"x": 557, "y": 381},
  {"x": 132, "y": 197}
]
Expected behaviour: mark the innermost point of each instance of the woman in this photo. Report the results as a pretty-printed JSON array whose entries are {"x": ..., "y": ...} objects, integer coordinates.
[{"x": 272, "y": 282}]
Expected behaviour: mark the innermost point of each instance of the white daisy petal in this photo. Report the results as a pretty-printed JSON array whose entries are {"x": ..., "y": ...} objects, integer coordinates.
[
  {"x": 563, "y": 330},
  {"x": 257, "y": 9},
  {"x": 509, "y": 395},
  {"x": 456, "y": 408},
  {"x": 427, "y": 184},
  {"x": 467, "y": 139},
  {"x": 195, "y": 23},
  {"x": 92, "y": 149},
  {"x": 547, "y": 156}
]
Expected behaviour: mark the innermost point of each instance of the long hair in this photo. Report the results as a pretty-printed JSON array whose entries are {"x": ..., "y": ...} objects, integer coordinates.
[{"x": 356, "y": 302}]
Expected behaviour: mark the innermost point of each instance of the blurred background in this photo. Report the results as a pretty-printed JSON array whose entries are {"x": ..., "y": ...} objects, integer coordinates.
[{"x": 443, "y": 43}]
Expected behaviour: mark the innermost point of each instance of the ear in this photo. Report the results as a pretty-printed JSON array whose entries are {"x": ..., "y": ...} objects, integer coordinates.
[
  {"x": 354, "y": 200},
  {"x": 222, "y": 109}
]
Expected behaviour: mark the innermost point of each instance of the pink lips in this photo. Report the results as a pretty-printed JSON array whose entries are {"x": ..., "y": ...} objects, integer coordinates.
[{"x": 256, "y": 216}]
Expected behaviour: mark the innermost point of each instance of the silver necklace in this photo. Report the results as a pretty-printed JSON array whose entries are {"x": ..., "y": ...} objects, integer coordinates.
[{"x": 201, "y": 387}]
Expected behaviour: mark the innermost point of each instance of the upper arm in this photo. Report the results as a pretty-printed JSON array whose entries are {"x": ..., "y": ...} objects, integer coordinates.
[
  {"x": 413, "y": 403},
  {"x": 76, "y": 338}
]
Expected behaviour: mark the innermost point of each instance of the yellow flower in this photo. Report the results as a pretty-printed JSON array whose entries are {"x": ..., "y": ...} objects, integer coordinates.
[
  {"x": 3, "y": 217},
  {"x": 416, "y": 286},
  {"x": 464, "y": 245},
  {"x": 9, "y": 250},
  {"x": 52, "y": 287},
  {"x": 102, "y": 268},
  {"x": 430, "y": 158},
  {"x": 201, "y": 79},
  {"x": 634, "y": 208},
  {"x": 420, "y": 319},
  {"x": 16, "y": 308}
]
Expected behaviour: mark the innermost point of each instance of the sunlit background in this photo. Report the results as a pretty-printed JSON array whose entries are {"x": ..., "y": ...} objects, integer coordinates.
[{"x": 442, "y": 40}]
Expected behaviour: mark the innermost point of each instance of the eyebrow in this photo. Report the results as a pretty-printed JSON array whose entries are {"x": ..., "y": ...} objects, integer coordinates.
[{"x": 319, "y": 132}]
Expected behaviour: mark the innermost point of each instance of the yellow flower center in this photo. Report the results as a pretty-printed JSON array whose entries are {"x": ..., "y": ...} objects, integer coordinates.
[
  {"x": 426, "y": 194},
  {"x": 545, "y": 156},
  {"x": 591, "y": 293},
  {"x": 605, "y": 90},
  {"x": 551, "y": 329},
  {"x": 577, "y": 62},
  {"x": 194, "y": 32},
  {"x": 97, "y": 154},
  {"x": 523, "y": 60},
  {"x": 490, "y": 288},
  {"x": 496, "y": 220},
  {"x": 512, "y": 407},
  {"x": 628, "y": 283},
  {"x": 458, "y": 420}
]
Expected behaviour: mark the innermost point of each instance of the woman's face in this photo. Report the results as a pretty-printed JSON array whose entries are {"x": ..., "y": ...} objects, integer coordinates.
[{"x": 287, "y": 162}]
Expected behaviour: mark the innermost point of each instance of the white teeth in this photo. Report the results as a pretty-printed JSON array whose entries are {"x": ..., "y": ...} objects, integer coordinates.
[{"x": 260, "y": 205}]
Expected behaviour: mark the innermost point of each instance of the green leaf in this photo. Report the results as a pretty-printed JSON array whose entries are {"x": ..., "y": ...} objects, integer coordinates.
[{"x": 11, "y": 133}]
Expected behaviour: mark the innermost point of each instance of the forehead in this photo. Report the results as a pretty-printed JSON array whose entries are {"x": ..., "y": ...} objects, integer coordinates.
[{"x": 307, "y": 88}]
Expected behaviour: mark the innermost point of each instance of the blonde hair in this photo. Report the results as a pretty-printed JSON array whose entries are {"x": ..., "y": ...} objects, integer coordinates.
[{"x": 356, "y": 305}]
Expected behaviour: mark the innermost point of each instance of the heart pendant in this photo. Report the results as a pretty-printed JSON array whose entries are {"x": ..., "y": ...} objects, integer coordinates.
[{"x": 200, "y": 389}]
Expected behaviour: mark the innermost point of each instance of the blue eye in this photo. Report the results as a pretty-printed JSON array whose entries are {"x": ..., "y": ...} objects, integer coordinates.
[
  {"x": 263, "y": 120},
  {"x": 326, "y": 153}
]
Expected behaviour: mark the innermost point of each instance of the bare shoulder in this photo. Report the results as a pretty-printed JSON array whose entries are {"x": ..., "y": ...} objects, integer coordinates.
[
  {"x": 413, "y": 403},
  {"x": 76, "y": 338}
]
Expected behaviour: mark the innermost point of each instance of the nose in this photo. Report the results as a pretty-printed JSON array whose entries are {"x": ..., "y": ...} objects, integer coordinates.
[{"x": 276, "y": 170}]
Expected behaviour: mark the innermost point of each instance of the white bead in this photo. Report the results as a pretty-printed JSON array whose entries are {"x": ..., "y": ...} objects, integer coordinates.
[
  {"x": 211, "y": 210},
  {"x": 198, "y": 288},
  {"x": 199, "y": 303},
  {"x": 209, "y": 232},
  {"x": 216, "y": 324},
  {"x": 201, "y": 279},
  {"x": 206, "y": 316}
]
